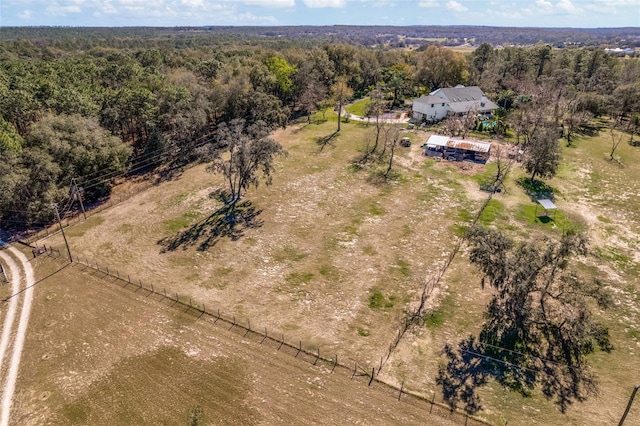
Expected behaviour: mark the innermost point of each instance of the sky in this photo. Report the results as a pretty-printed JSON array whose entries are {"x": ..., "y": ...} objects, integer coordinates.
[{"x": 170, "y": 13}]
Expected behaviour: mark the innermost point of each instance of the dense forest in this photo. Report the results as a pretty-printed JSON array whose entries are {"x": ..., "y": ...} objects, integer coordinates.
[{"x": 87, "y": 105}]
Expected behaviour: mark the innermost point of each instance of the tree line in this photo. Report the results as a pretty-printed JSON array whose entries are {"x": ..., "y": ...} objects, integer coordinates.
[{"x": 73, "y": 107}]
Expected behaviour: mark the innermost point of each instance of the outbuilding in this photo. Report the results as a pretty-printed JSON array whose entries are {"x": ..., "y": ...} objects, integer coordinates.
[{"x": 457, "y": 150}]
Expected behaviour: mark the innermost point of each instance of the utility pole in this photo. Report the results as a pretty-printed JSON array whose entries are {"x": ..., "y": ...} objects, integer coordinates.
[
  {"x": 55, "y": 208},
  {"x": 77, "y": 193},
  {"x": 633, "y": 395}
]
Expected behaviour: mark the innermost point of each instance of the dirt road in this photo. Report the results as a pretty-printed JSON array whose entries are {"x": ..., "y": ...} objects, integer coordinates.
[{"x": 13, "y": 335}]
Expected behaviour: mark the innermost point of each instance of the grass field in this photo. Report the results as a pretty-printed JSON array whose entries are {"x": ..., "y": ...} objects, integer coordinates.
[
  {"x": 359, "y": 108},
  {"x": 334, "y": 257},
  {"x": 102, "y": 354}
]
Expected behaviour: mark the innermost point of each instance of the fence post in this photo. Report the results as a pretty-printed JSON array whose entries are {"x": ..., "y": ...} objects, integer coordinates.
[
  {"x": 335, "y": 363},
  {"x": 401, "y": 388},
  {"x": 373, "y": 373},
  {"x": 107, "y": 270},
  {"x": 118, "y": 274},
  {"x": 265, "y": 335},
  {"x": 281, "y": 342},
  {"x": 248, "y": 329},
  {"x": 299, "y": 349},
  {"x": 204, "y": 309},
  {"x": 318, "y": 357},
  {"x": 218, "y": 317},
  {"x": 233, "y": 323},
  {"x": 355, "y": 368},
  {"x": 165, "y": 292},
  {"x": 380, "y": 366}
]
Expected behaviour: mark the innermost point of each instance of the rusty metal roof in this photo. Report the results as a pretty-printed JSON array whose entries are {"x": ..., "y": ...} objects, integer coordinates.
[{"x": 469, "y": 145}]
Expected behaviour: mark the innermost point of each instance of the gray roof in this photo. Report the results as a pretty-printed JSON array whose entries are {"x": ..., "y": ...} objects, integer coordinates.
[
  {"x": 429, "y": 99},
  {"x": 460, "y": 99},
  {"x": 471, "y": 106},
  {"x": 459, "y": 93},
  {"x": 547, "y": 204}
]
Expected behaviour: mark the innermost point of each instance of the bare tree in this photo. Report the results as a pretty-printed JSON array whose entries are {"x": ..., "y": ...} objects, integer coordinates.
[
  {"x": 616, "y": 138},
  {"x": 375, "y": 109},
  {"x": 392, "y": 142},
  {"x": 341, "y": 93},
  {"x": 249, "y": 153}
]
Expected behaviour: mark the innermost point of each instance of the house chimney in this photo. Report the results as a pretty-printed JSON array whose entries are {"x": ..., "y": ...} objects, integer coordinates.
[{"x": 483, "y": 101}]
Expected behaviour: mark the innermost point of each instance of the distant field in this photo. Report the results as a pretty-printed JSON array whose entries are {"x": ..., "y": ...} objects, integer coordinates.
[{"x": 335, "y": 258}]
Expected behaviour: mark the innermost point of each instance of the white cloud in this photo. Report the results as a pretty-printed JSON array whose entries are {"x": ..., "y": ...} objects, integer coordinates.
[
  {"x": 319, "y": 4},
  {"x": 456, "y": 7},
  {"x": 271, "y": 3},
  {"x": 56, "y": 9},
  {"x": 543, "y": 6},
  {"x": 428, "y": 3},
  {"x": 618, "y": 2},
  {"x": 25, "y": 14},
  {"x": 108, "y": 8},
  {"x": 568, "y": 6},
  {"x": 382, "y": 3},
  {"x": 192, "y": 3},
  {"x": 510, "y": 15}
]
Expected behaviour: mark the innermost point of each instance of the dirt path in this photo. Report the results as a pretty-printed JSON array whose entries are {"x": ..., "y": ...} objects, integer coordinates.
[{"x": 18, "y": 342}]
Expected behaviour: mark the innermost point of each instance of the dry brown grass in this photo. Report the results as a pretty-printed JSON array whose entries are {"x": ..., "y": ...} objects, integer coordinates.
[
  {"x": 101, "y": 354},
  {"x": 338, "y": 258}
]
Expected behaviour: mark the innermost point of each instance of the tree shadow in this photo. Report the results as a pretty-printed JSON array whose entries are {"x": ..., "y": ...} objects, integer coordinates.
[
  {"x": 462, "y": 374},
  {"x": 473, "y": 362},
  {"x": 229, "y": 221},
  {"x": 323, "y": 141}
]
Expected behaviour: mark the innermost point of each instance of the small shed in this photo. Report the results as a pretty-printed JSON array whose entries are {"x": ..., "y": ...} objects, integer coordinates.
[
  {"x": 547, "y": 205},
  {"x": 456, "y": 149},
  {"x": 435, "y": 145}
]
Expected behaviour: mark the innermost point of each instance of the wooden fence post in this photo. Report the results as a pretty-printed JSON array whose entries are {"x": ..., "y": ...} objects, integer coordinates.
[
  {"x": 373, "y": 373},
  {"x": 265, "y": 335},
  {"x": 355, "y": 368},
  {"x": 335, "y": 363},
  {"x": 281, "y": 342},
  {"x": 401, "y": 388},
  {"x": 248, "y": 329},
  {"x": 317, "y": 358},
  {"x": 299, "y": 349}
]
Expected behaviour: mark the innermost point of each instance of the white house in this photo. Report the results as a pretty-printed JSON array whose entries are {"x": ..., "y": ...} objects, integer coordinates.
[{"x": 451, "y": 100}]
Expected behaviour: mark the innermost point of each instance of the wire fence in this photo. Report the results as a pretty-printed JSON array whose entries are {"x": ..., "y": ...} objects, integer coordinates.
[
  {"x": 360, "y": 372},
  {"x": 77, "y": 216}
]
